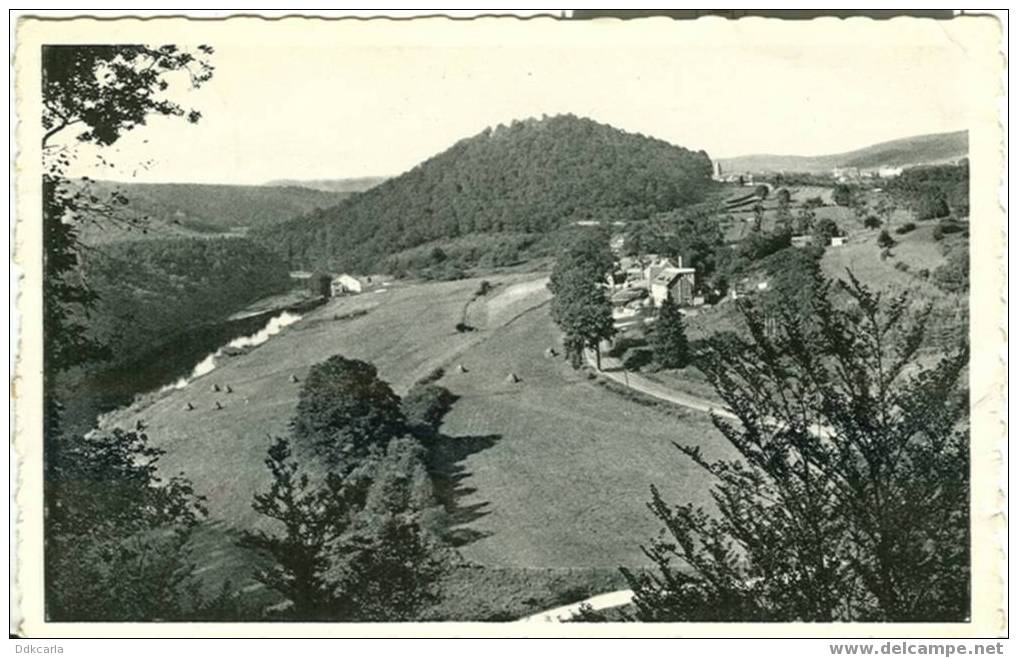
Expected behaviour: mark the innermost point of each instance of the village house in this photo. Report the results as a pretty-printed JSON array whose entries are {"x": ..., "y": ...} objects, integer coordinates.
[
  {"x": 345, "y": 284},
  {"x": 655, "y": 265},
  {"x": 676, "y": 283}
]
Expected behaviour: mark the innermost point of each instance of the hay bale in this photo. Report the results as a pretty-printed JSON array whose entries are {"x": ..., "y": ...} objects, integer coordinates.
[
  {"x": 188, "y": 407},
  {"x": 461, "y": 368},
  {"x": 229, "y": 389},
  {"x": 218, "y": 405},
  {"x": 550, "y": 352},
  {"x": 215, "y": 388},
  {"x": 511, "y": 378},
  {"x": 294, "y": 379}
]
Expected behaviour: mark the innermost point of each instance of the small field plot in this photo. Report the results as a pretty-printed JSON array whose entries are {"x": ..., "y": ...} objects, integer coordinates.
[{"x": 543, "y": 467}]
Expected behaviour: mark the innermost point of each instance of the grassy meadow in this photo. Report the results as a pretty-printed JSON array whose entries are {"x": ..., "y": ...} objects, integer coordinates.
[{"x": 545, "y": 480}]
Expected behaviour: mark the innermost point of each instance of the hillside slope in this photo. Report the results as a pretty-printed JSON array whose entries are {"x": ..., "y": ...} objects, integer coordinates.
[
  {"x": 920, "y": 149},
  {"x": 533, "y": 176},
  {"x": 192, "y": 209}
]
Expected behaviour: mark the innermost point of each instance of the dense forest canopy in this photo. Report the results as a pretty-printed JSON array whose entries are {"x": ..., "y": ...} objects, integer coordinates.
[{"x": 533, "y": 177}]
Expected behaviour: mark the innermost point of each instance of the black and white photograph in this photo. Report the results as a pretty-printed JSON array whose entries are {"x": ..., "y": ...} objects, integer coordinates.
[{"x": 553, "y": 326}]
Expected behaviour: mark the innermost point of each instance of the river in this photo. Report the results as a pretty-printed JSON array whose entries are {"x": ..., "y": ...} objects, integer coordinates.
[{"x": 173, "y": 364}]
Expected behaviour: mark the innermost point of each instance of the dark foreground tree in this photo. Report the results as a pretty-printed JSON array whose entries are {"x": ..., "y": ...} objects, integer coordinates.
[
  {"x": 117, "y": 533},
  {"x": 668, "y": 338},
  {"x": 849, "y": 499},
  {"x": 345, "y": 411},
  {"x": 313, "y": 516},
  {"x": 350, "y": 547}
]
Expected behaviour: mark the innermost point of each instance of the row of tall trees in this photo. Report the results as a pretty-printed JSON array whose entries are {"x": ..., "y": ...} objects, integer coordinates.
[{"x": 580, "y": 305}]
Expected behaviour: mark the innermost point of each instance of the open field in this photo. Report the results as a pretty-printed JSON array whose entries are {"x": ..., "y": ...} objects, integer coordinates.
[
  {"x": 546, "y": 478},
  {"x": 555, "y": 470}
]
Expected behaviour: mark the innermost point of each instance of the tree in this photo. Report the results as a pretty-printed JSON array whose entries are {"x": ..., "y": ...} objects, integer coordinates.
[
  {"x": 390, "y": 565},
  {"x": 758, "y": 216},
  {"x": 313, "y": 518},
  {"x": 582, "y": 310},
  {"x": 762, "y": 191},
  {"x": 105, "y": 91},
  {"x": 588, "y": 255},
  {"x": 345, "y": 412},
  {"x": 580, "y": 305},
  {"x": 392, "y": 572},
  {"x": 116, "y": 533},
  {"x": 349, "y": 547},
  {"x": 823, "y": 231},
  {"x": 842, "y": 195},
  {"x": 849, "y": 499},
  {"x": 804, "y": 221},
  {"x": 885, "y": 241},
  {"x": 784, "y": 214},
  {"x": 668, "y": 339}
]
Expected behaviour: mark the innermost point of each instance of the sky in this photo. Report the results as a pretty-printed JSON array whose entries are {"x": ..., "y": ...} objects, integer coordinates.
[{"x": 287, "y": 108}]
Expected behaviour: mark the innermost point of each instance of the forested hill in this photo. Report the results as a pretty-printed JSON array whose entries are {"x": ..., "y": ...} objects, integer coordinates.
[
  {"x": 530, "y": 177},
  {"x": 193, "y": 210}
]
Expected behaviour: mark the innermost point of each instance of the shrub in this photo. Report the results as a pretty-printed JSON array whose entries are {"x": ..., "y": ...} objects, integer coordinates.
[
  {"x": 884, "y": 240},
  {"x": 424, "y": 407},
  {"x": 953, "y": 276},
  {"x": 907, "y": 227},
  {"x": 872, "y": 222},
  {"x": 432, "y": 376},
  {"x": 900, "y": 266},
  {"x": 938, "y": 232},
  {"x": 949, "y": 226}
]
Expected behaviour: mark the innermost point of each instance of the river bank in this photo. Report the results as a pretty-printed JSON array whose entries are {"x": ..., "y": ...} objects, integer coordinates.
[{"x": 87, "y": 396}]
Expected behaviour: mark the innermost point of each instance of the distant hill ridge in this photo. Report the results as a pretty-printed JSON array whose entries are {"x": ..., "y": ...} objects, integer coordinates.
[
  {"x": 916, "y": 150},
  {"x": 195, "y": 209},
  {"x": 344, "y": 185},
  {"x": 532, "y": 177}
]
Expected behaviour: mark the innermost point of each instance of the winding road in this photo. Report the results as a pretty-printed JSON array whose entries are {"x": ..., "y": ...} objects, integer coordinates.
[{"x": 612, "y": 369}]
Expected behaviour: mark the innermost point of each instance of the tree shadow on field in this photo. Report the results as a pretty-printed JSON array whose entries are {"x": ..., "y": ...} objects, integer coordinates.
[{"x": 446, "y": 455}]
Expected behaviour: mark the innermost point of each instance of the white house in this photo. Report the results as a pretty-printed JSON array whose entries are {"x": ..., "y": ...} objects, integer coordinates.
[
  {"x": 346, "y": 283},
  {"x": 655, "y": 265}
]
